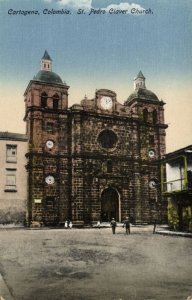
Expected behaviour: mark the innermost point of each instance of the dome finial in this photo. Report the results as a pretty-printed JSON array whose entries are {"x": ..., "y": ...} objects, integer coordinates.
[
  {"x": 46, "y": 62},
  {"x": 139, "y": 81}
]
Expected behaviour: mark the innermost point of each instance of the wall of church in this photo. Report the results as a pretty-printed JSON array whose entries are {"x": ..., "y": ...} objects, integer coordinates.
[
  {"x": 90, "y": 176},
  {"x": 94, "y": 160}
]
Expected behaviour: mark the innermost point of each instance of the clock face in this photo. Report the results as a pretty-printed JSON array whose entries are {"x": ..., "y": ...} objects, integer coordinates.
[
  {"x": 106, "y": 102},
  {"x": 49, "y": 179},
  {"x": 152, "y": 184},
  {"x": 151, "y": 153},
  {"x": 49, "y": 144}
]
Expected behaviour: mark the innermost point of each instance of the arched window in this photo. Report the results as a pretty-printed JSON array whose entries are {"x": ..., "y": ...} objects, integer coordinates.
[
  {"x": 43, "y": 100},
  {"x": 154, "y": 117},
  {"x": 145, "y": 115},
  {"x": 109, "y": 166},
  {"x": 55, "y": 101},
  {"x": 151, "y": 139}
]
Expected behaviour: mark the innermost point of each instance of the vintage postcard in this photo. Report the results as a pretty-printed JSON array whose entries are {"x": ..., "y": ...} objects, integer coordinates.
[{"x": 95, "y": 149}]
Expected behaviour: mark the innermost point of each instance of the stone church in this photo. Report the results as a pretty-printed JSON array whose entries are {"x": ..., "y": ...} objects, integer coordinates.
[{"x": 94, "y": 160}]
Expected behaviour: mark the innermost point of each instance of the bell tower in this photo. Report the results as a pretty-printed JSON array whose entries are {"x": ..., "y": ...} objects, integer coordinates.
[
  {"x": 46, "y": 116},
  {"x": 150, "y": 148},
  {"x": 139, "y": 81}
]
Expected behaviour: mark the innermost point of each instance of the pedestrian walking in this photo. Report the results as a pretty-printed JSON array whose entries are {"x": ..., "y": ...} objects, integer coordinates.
[
  {"x": 113, "y": 225},
  {"x": 126, "y": 225},
  {"x": 70, "y": 225},
  {"x": 98, "y": 224},
  {"x": 66, "y": 224}
]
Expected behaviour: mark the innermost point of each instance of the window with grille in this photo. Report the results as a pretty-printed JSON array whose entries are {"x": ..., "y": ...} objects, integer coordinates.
[
  {"x": 11, "y": 153},
  {"x": 10, "y": 185}
]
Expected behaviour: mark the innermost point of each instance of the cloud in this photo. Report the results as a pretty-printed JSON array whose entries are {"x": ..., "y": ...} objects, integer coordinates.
[{"x": 85, "y": 4}]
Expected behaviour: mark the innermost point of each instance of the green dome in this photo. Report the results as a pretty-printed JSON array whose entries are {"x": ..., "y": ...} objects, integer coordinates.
[
  {"x": 142, "y": 94},
  {"x": 47, "y": 76}
]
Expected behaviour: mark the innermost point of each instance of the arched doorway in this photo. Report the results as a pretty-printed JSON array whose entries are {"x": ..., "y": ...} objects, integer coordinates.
[{"x": 109, "y": 205}]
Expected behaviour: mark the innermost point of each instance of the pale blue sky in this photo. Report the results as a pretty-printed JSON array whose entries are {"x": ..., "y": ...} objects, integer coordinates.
[{"x": 100, "y": 51}]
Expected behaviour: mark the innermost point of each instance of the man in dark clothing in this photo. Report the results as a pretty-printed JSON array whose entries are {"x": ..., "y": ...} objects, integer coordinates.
[
  {"x": 113, "y": 225},
  {"x": 126, "y": 224}
]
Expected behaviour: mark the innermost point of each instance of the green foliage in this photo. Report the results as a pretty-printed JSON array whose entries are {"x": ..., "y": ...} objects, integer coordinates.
[{"x": 173, "y": 218}]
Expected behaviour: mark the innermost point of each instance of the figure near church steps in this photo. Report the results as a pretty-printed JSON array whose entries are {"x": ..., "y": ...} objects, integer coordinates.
[
  {"x": 113, "y": 225},
  {"x": 126, "y": 225}
]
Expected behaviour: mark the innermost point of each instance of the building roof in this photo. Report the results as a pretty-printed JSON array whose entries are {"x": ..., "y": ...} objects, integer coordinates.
[
  {"x": 140, "y": 75},
  {"x": 46, "y": 56},
  {"x": 185, "y": 150},
  {"x": 10, "y": 136},
  {"x": 143, "y": 94},
  {"x": 47, "y": 76}
]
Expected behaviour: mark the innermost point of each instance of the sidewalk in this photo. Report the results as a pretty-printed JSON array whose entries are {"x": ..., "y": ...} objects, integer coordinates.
[
  {"x": 160, "y": 229},
  {"x": 166, "y": 231}
]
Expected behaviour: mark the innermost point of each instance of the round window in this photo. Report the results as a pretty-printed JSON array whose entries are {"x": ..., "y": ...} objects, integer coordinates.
[{"x": 107, "y": 139}]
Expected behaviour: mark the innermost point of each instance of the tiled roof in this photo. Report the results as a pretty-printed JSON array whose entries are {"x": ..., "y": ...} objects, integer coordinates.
[
  {"x": 187, "y": 149},
  {"x": 142, "y": 93},
  {"x": 13, "y": 136},
  {"x": 47, "y": 76}
]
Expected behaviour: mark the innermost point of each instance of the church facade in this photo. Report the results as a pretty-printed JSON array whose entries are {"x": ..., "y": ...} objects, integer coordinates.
[{"x": 94, "y": 160}]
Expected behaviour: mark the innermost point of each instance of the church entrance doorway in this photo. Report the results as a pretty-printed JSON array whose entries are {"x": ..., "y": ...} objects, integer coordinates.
[{"x": 109, "y": 205}]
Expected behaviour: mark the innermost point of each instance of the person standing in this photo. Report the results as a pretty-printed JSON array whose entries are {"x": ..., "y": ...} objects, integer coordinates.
[
  {"x": 70, "y": 224},
  {"x": 98, "y": 224},
  {"x": 126, "y": 224},
  {"x": 66, "y": 224},
  {"x": 113, "y": 225}
]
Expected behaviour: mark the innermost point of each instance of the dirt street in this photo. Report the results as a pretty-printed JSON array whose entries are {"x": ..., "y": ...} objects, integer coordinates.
[{"x": 86, "y": 264}]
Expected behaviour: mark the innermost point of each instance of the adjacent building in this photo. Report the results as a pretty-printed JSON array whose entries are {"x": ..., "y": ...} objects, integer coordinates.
[
  {"x": 95, "y": 160},
  {"x": 13, "y": 183},
  {"x": 177, "y": 188}
]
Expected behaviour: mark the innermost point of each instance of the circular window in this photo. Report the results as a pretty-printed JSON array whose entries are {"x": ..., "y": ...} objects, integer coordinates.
[
  {"x": 50, "y": 179},
  {"x": 107, "y": 139},
  {"x": 151, "y": 153},
  {"x": 153, "y": 183}
]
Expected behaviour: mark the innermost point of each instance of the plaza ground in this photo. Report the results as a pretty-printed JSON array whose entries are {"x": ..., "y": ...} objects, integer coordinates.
[{"x": 87, "y": 264}]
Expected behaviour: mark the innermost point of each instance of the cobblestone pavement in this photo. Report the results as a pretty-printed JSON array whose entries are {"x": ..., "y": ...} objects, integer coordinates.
[{"x": 87, "y": 264}]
